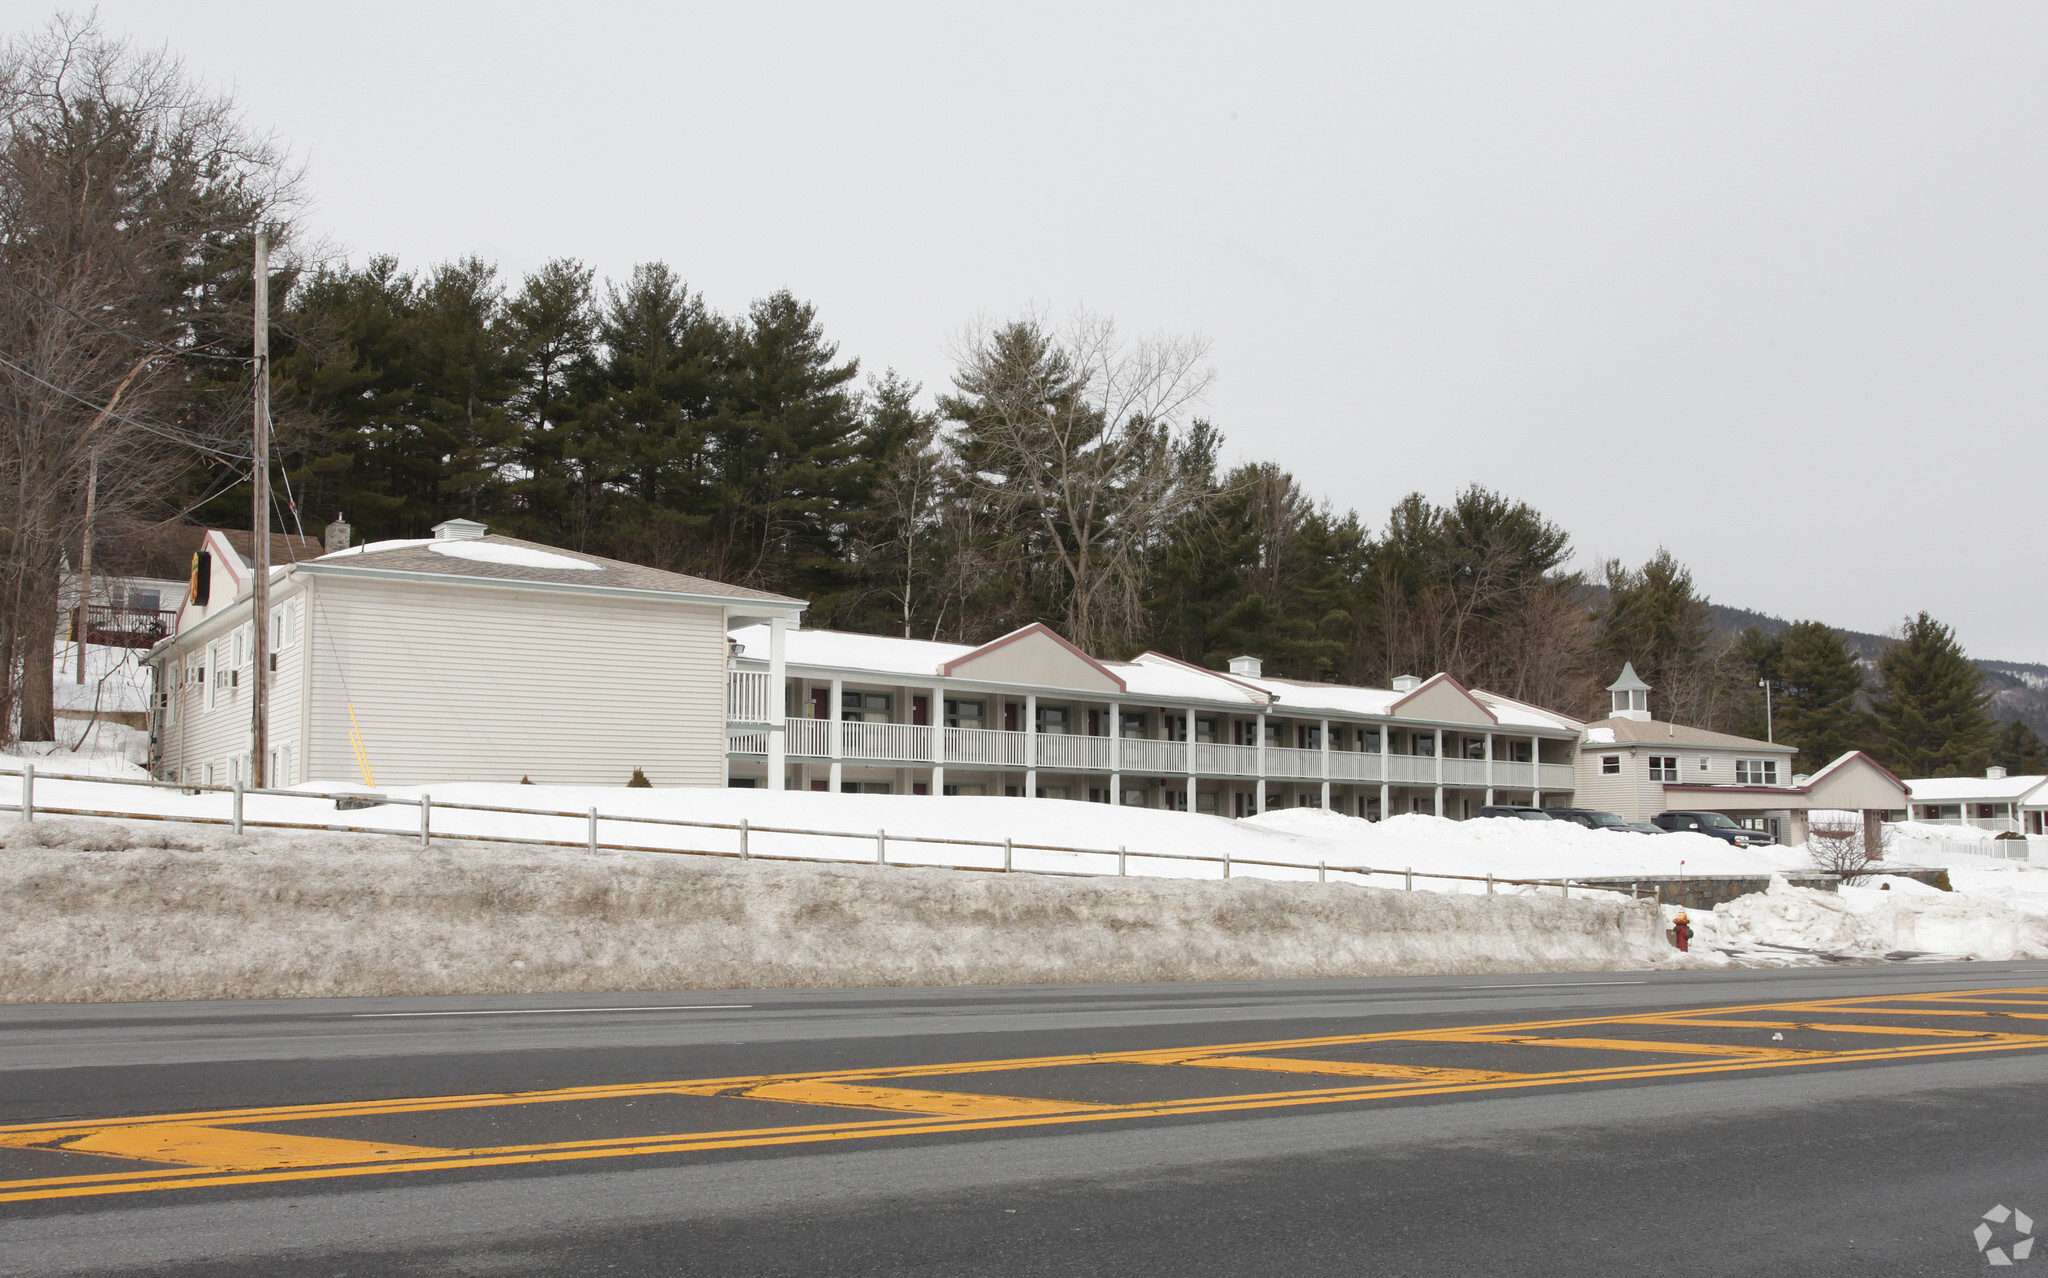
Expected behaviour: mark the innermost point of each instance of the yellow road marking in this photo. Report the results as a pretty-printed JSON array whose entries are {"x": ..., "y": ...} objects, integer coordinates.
[
  {"x": 905, "y": 1100},
  {"x": 225, "y": 1149},
  {"x": 1360, "y": 1069},
  {"x": 222, "y": 1155}
]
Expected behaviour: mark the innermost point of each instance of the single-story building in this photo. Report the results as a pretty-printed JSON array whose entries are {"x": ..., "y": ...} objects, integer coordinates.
[{"x": 1994, "y": 801}]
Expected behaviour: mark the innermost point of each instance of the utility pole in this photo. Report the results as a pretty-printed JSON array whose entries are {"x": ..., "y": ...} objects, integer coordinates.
[
  {"x": 259, "y": 529},
  {"x": 1770, "y": 733}
]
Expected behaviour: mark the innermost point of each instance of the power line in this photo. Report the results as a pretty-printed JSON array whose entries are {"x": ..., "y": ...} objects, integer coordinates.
[
  {"x": 195, "y": 352},
  {"x": 163, "y": 432}
]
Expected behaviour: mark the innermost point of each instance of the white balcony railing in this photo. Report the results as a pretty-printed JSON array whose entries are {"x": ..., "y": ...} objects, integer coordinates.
[
  {"x": 809, "y": 738},
  {"x": 1284, "y": 761},
  {"x": 1214, "y": 760},
  {"x": 1468, "y": 772},
  {"x": 1155, "y": 756},
  {"x": 887, "y": 742},
  {"x": 749, "y": 697},
  {"x": 1555, "y": 778},
  {"x": 1354, "y": 765},
  {"x": 1508, "y": 775},
  {"x": 746, "y": 740},
  {"x": 1057, "y": 750},
  {"x": 985, "y": 747}
]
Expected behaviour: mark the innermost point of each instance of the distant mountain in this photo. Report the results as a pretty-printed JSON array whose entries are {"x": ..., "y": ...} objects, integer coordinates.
[{"x": 2019, "y": 689}]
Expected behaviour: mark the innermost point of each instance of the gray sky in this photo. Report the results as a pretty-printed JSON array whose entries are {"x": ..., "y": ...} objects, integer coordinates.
[{"x": 1762, "y": 283}]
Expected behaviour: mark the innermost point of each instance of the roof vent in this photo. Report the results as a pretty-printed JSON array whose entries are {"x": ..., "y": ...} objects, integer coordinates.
[
  {"x": 1994, "y": 773},
  {"x": 459, "y": 530},
  {"x": 1249, "y": 667},
  {"x": 1406, "y": 683}
]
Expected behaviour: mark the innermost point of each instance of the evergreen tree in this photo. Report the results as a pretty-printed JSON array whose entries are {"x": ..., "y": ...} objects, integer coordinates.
[
  {"x": 1816, "y": 683},
  {"x": 1654, "y": 617},
  {"x": 2020, "y": 751},
  {"x": 1932, "y": 708},
  {"x": 553, "y": 344}
]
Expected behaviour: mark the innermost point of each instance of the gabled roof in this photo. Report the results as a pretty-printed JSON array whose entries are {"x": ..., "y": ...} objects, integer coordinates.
[
  {"x": 1436, "y": 683},
  {"x": 1038, "y": 630},
  {"x": 1844, "y": 761},
  {"x": 1974, "y": 789},
  {"x": 508, "y": 560}
]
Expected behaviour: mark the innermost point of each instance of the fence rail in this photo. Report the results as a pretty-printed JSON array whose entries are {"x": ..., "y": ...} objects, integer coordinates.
[{"x": 594, "y": 822}]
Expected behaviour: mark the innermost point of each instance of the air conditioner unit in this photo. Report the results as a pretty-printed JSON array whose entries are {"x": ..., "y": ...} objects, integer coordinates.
[{"x": 234, "y": 678}]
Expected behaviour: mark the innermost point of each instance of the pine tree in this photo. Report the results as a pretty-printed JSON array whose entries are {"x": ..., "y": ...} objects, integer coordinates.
[
  {"x": 1932, "y": 709},
  {"x": 1654, "y": 618},
  {"x": 2020, "y": 751},
  {"x": 1817, "y": 682},
  {"x": 553, "y": 344}
]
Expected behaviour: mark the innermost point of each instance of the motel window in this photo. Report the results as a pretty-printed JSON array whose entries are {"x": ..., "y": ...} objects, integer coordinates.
[
  {"x": 1756, "y": 772},
  {"x": 1706, "y": 764},
  {"x": 1663, "y": 767},
  {"x": 1205, "y": 730},
  {"x": 965, "y": 714},
  {"x": 864, "y": 707},
  {"x": 966, "y": 789},
  {"x": 1475, "y": 747},
  {"x": 1055, "y": 721},
  {"x": 1422, "y": 744},
  {"x": 1369, "y": 740},
  {"x": 1055, "y": 792},
  {"x": 1208, "y": 801},
  {"x": 1610, "y": 765},
  {"x": 1135, "y": 799},
  {"x": 1134, "y": 728}
]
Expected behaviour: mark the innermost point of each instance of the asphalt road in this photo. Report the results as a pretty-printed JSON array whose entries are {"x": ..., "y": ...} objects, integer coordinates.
[{"x": 1401, "y": 1126}]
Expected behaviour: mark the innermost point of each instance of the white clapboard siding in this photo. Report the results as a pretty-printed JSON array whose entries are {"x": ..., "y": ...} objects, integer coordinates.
[{"x": 465, "y": 683}]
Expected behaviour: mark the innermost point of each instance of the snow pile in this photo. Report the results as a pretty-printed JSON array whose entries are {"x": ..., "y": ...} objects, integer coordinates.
[
  {"x": 129, "y": 911},
  {"x": 116, "y": 681},
  {"x": 1886, "y": 917}
]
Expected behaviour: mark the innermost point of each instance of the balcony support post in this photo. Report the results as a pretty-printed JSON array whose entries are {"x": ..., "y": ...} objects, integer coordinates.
[
  {"x": 835, "y": 735},
  {"x": 1439, "y": 771},
  {"x": 1535, "y": 772},
  {"x": 1489, "y": 769},
  {"x": 1262, "y": 762},
  {"x": 938, "y": 731},
  {"x": 1116, "y": 753},
  {"x": 1326, "y": 765},
  {"x": 778, "y": 724},
  {"x": 1030, "y": 745}
]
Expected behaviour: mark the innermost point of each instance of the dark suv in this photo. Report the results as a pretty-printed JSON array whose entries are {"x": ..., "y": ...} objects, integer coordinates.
[
  {"x": 1713, "y": 824},
  {"x": 1594, "y": 819},
  {"x": 1522, "y": 814}
]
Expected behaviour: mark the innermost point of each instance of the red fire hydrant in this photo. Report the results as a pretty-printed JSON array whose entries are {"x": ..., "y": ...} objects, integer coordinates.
[{"x": 1681, "y": 931}]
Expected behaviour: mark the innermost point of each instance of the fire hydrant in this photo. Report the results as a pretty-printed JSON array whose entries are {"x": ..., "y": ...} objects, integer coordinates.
[{"x": 1681, "y": 931}]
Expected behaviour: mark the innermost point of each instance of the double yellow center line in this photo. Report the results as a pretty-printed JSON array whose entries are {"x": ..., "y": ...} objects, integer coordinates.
[{"x": 232, "y": 1147}]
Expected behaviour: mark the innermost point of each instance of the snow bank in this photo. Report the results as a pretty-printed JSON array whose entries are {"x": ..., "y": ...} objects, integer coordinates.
[
  {"x": 132, "y": 911},
  {"x": 1886, "y": 917}
]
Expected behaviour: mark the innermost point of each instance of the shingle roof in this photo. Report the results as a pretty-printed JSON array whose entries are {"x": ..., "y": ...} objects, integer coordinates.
[
  {"x": 1657, "y": 732},
  {"x": 439, "y": 559}
]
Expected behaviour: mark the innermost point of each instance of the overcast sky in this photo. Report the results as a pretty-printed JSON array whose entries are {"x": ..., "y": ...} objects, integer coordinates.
[{"x": 1760, "y": 283}]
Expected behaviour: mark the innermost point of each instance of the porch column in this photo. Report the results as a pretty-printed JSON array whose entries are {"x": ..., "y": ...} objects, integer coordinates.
[
  {"x": 835, "y": 734},
  {"x": 1030, "y": 745},
  {"x": 1116, "y": 753},
  {"x": 938, "y": 727},
  {"x": 1262, "y": 761},
  {"x": 1326, "y": 764},
  {"x": 778, "y": 724},
  {"x": 1386, "y": 800},
  {"x": 1489, "y": 769},
  {"x": 1439, "y": 771},
  {"x": 1535, "y": 772}
]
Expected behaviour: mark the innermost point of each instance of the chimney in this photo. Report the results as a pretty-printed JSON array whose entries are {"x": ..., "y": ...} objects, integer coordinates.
[
  {"x": 1994, "y": 773},
  {"x": 338, "y": 534},
  {"x": 459, "y": 530},
  {"x": 1249, "y": 667},
  {"x": 1406, "y": 683}
]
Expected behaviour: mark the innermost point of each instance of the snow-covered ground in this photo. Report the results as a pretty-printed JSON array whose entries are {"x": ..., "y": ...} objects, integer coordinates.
[{"x": 1999, "y": 908}]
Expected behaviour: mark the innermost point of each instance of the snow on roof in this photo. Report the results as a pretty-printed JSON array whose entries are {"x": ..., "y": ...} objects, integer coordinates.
[
  {"x": 1984, "y": 789},
  {"x": 839, "y": 650},
  {"x": 494, "y": 552},
  {"x": 1600, "y": 736},
  {"x": 1153, "y": 675},
  {"x": 1509, "y": 712},
  {"x": 1343, "y": 699}
]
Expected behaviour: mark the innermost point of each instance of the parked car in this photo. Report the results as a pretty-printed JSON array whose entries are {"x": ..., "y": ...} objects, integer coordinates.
[
  {"x": 1595, "y": 819},
  {"x": 1520, "y": 814},
  {"x": 1714, "y": 825}
]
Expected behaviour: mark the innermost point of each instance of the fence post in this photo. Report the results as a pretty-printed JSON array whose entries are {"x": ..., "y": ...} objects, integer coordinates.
[
  {"x": 1411, "y": 878},
  {"x": 744, "y": 854},
  {"x": 1566, "y": 884},
  {"x": 1226, "y": 865},
  {"x": 238, "y": 807},
  {"x": 1120, "y": 858},
  {"x": 1489, "y": 882},
  {"x": 28, "y": 792},
  {"x": 426, "y": 819},
  {"x": 881, "y": 847},
  {"x": 1006, "y": 854},
  {"x": 1322, "y": 873},
  {"x": 593, "y": 829}
]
